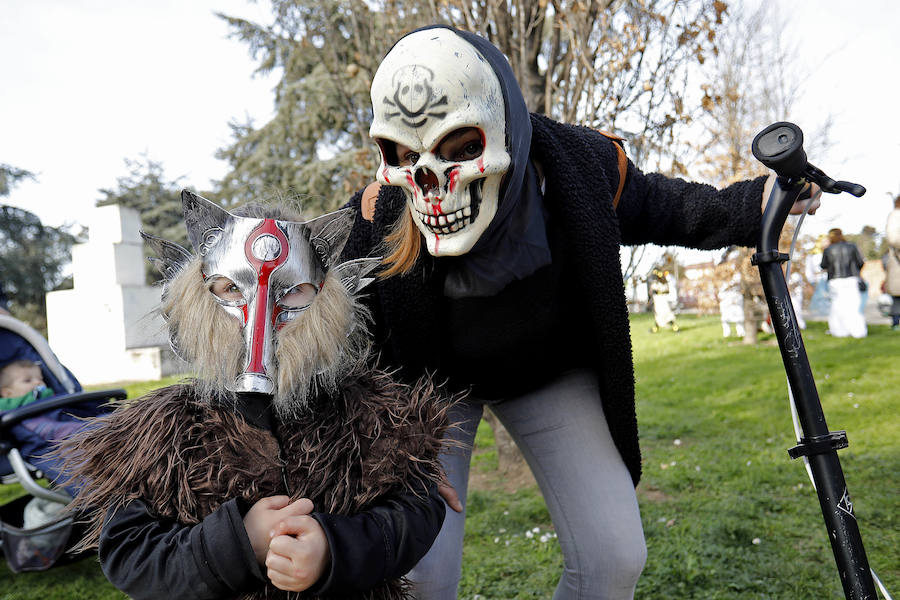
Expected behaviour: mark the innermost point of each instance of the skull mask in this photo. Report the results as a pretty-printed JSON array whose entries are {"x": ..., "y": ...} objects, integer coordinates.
[{"x": 432, "y": 85}]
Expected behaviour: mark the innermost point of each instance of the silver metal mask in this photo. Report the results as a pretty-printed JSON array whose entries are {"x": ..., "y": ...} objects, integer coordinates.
[{"x": 263, "y": 272}]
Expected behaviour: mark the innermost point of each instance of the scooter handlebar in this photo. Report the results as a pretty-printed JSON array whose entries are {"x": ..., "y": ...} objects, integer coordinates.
[{"x": 780, "y": 147}]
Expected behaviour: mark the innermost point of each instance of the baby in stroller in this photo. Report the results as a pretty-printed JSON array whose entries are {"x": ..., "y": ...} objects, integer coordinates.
[
  {"x": 21, "y": 383},
  {"x": 41, "y": 402}
]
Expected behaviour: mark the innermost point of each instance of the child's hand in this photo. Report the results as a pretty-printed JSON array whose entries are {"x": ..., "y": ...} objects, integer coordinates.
[
  {"x": 265, "y": 515},
  {"x": 298, "y": 553}
]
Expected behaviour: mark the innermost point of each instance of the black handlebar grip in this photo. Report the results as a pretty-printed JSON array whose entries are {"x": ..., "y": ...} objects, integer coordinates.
[{"x": 780, "y": 147}]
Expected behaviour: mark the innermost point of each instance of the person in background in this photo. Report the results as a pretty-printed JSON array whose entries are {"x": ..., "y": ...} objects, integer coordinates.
[
  {"x": 891, "y": 263},
  {"x": 797, "y": 285},
  {"x": 731, "y": 306},
  {"x": 22, "y": 383},
  {"x": 842, "y": 260},
  {"x": 501, "y": 232},
  {"x": 818, "y": 279},
  {"x": 661, "y": 292}
]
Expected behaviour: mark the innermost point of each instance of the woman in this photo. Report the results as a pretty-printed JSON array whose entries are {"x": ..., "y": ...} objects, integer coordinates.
[
  {"x": 842, "y": 260},
  {"x": 891, "y": 263},
  {"x": 519, "y": 297}
]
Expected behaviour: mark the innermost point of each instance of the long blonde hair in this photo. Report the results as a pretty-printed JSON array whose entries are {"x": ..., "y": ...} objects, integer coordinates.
[{"x": 402, "y": 246}]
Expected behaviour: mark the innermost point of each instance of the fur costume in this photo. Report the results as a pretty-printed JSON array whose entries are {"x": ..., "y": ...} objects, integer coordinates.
[
  {"x": 374, "y": 438},
  {"x": 346, "y": 437}
]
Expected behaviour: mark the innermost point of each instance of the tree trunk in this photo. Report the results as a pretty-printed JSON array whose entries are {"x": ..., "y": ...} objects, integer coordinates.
[
  {"x": 754, "y": 315},
  {"x": 509, "y": 457},
  {"x": 751, "y": 328}
]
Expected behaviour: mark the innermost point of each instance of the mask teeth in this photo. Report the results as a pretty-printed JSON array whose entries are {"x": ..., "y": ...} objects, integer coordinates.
[{"x": 447, "y": 223}]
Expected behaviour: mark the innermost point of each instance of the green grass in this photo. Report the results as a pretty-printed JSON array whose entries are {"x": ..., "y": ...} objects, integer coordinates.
[{"x": 726, "y": 513}]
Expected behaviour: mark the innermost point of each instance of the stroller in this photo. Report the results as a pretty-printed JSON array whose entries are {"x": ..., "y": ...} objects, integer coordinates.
[{"x": 34, "y": 530}]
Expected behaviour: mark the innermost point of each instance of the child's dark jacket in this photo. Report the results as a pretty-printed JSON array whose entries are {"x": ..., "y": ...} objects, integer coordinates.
[{"x": 169, "y": 478}]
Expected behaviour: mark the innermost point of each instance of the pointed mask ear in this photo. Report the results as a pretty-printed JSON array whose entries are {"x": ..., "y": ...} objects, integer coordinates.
[
  {"x": 329, "y": 233},
  {"x": 204, "y": 220},
  {"x": 170, "y": 257},
  {"x": 353, "y": 273}
]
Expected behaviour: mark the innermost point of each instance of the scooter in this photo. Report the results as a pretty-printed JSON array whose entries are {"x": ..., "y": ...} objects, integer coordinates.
[{"x": 780, "y": 147}]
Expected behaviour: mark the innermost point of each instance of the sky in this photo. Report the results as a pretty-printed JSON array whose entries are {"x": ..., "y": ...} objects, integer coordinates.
[{"x": 85, "y": 84}]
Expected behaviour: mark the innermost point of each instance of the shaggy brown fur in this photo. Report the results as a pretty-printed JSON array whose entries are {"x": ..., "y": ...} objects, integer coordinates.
[
  {"x": 185, "y": 456},
  {"x": 318, "y": 348},
  {"x": 204, "y": 334}
]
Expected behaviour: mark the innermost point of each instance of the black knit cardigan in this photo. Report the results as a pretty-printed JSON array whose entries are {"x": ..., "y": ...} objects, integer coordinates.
[{"x": 580, "y": 168}]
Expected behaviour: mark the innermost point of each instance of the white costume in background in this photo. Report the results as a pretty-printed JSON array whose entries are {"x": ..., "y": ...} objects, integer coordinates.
[
  {"x": 731, "y": 307},
  {"x": 845, "y": 319},
  {"x": 796, "y": 289}
]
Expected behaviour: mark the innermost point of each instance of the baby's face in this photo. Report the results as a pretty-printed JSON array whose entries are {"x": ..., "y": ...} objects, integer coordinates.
[{"x": 24, "y": 380}]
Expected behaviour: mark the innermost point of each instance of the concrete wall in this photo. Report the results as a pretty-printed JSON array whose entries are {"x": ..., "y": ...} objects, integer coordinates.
[{"x": 104, "y": 329}]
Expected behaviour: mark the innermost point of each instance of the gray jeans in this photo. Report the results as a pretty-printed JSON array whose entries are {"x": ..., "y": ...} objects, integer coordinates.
[{"x": 562, "y": 432}]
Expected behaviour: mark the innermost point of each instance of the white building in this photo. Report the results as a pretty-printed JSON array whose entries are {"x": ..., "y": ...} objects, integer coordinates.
[{"x": 104, "y": 330}]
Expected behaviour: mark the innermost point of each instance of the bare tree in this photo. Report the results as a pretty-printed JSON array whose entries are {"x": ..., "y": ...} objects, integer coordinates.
[
  {"x": 617, "y": 65},
  {"x": 755, "y": 82}
]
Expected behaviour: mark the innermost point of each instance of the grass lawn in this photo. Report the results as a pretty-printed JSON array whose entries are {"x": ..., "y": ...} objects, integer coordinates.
[{"x": 726, "y": 513}]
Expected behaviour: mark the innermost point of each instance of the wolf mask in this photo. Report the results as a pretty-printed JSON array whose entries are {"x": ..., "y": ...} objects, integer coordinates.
[{"x": 261, "y": 305}]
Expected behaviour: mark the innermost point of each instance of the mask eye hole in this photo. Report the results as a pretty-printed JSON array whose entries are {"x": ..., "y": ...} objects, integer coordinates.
[
  {"x": 299, "y": 296},
  {"x": 225, "y": 289},
  {"x": 462, "y": 144},
  {"x": 396, "y": 154}
]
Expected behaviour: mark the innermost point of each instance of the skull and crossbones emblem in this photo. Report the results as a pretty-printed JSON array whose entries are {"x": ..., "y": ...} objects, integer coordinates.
[{"x": 414, "y": 96}]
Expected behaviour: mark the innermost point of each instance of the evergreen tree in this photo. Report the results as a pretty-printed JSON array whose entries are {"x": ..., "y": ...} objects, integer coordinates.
[
  {"x": 615, "y": 65},
  {"x": 158, "y": 200},
  {"x": 10, "y": 176},
  {"x": 33, "y": 258},
  {"x": 316, "y": 147}
]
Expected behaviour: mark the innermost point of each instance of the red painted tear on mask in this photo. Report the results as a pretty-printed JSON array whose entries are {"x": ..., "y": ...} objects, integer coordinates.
[
  {"x": 264, "y": 270},
  {"x": 454, "y": 179}
]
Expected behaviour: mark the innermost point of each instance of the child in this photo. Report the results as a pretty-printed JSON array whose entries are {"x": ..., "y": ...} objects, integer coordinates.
[
  {"x": 21, "y": 383},
  {"x": 287, "y": 464},
  {"x": 663, "y": 315}
]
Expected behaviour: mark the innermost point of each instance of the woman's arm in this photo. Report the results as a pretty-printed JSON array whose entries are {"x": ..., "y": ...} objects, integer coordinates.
[{"x": 671, "y": 211}]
